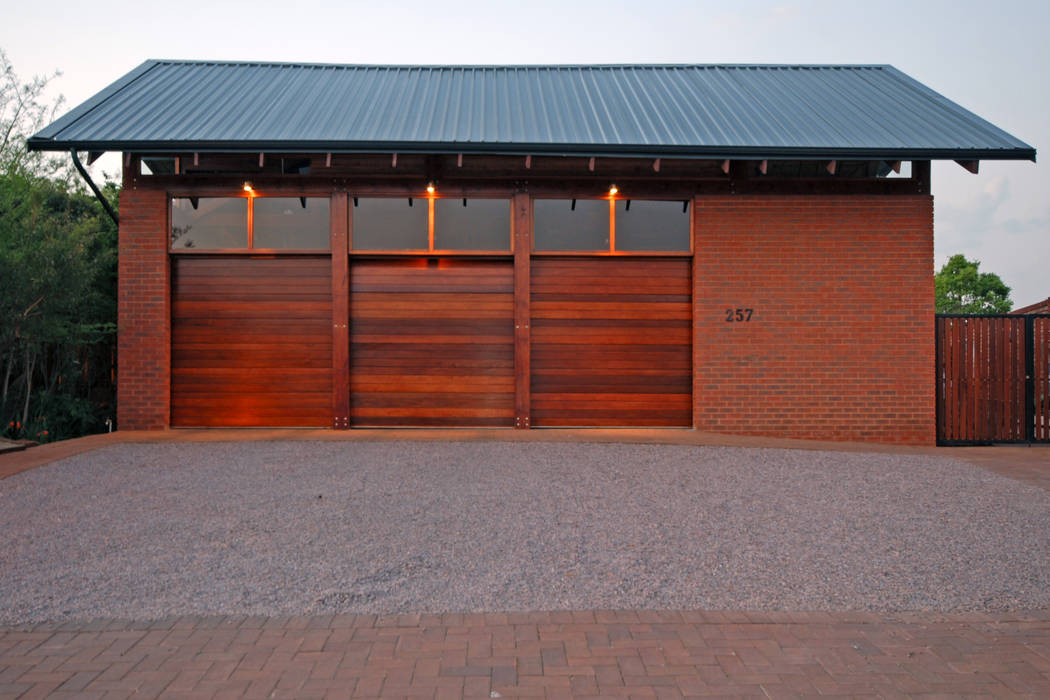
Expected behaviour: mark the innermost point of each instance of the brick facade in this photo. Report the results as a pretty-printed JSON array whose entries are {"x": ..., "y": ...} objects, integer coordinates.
[
  {"x": 840, "y": 345},
  {"x": 144, "y": 312}
]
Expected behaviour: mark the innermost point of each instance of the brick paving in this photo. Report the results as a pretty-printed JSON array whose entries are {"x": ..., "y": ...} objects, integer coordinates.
[{"x": 646, "y": 654}]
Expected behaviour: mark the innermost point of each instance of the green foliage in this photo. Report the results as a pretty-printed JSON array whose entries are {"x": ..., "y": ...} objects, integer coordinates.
[
  {"x": 960, "y": 288},
  {"x": 22, "y": 114},
  {"x": 58, "y": 284}
]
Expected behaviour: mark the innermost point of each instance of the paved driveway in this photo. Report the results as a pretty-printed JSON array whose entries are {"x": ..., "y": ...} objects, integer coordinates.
[{"x": 145, "y": 531}]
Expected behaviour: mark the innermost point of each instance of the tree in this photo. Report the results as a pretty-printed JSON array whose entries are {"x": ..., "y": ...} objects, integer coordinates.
[
  {"x": 22, "y": 114},
  {"x": 57, "y": 281},
  {"x": 960, "y": 288}
]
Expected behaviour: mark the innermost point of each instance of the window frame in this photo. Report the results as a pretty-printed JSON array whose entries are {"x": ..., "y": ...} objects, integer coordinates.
[
  {"x": 251, "y": 197},
  {"x": 431, "y": 250},
  {"x": 612, "y": 252}
]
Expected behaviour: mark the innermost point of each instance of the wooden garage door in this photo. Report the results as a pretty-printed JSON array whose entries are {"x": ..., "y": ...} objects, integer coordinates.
[
  {"x": 431, "y": 342},
  {"x": 251, "y": 341},
  {"x": 611, "y": 342}
]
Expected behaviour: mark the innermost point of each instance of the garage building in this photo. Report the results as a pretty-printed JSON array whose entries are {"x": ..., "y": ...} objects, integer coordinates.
[{"x": 740, "y": 249}]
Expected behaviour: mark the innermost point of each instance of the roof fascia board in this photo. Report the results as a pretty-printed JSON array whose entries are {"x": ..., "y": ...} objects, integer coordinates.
[{"x": 648, "y": 151}]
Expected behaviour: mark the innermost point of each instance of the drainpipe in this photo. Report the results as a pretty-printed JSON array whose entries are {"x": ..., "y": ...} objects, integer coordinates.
[{"x": 94, "y": 188}]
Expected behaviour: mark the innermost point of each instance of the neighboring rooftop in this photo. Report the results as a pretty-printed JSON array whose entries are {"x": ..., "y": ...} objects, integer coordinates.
[
  {"x": 1039, "y": 307},
  {"x": 712, "y": 111}
]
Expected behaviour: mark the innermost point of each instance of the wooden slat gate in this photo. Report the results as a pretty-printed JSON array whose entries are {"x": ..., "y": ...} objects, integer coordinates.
[{"x": 993, "y": 379}]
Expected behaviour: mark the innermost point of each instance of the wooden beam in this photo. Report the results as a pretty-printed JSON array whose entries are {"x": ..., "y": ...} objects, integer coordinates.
[
  {"x": 920, "y": 175},
  {"x": 93, "y": 156},
  {"x": 656, "y": 165},
  {"x": 522, "y": 231},
  {"x": 393, "y": 161},
  {"x": 262, "y": 159},
  {"x": 970, "y": 165},
  {"x": 590, "y": 165},
  {"x": 327, "y": 160},
  {"x": 459, "y": 161},
  {"x": 338, "y": 237},
  {"x": 196, "y": 159},
  {"x": 528, "y": 162},
  {"x": 725, "y": 166},
  {"x": 832, "y": 166}
]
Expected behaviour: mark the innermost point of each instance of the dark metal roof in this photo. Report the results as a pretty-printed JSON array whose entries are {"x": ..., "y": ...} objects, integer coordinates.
[{"x": 767, "y": 111}]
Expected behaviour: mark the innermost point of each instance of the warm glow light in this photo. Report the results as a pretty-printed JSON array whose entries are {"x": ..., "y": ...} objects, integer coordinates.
[
  {"x": 248, "y": 187},
  {"x": 430, "y": 188},
  {"x": 613, "y": 190}
]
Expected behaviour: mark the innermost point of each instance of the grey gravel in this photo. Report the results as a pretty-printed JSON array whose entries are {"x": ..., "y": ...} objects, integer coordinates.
[{"x": 148, "y": 531}]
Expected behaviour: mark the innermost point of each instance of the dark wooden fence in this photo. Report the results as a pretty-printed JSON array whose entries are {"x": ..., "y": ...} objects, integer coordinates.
[{"x": 993, "y": 379}]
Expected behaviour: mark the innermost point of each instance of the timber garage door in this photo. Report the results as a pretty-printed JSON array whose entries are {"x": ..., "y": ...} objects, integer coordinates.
[
  {"x": 611, "y": 341},
  {"x": 431, "y": 342},
  {"x": 251, "y": 340}
]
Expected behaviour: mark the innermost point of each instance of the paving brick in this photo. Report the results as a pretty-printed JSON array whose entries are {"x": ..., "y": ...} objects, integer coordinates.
[{"x": 670, "y": 655}]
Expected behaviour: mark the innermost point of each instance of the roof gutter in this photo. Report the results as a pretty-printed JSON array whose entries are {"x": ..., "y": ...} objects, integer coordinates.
[
  {"x": 94, "y": 188},
  {"x": 550, "y": 149}
]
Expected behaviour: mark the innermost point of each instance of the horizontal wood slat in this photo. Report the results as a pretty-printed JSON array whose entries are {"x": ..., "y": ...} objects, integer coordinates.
[
  {"x": 431, "y": 342},
  {"x": 611, "y": 342},
  {"x": 251, "y": 341}
]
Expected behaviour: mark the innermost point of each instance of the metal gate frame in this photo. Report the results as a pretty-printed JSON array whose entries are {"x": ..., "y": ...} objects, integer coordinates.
[{"x": 1030, "y": 413}]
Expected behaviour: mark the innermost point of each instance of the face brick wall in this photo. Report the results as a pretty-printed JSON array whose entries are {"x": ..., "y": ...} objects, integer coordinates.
[
  {"x": 144, "y": 316},
  {"x": 840, "y": 343}
]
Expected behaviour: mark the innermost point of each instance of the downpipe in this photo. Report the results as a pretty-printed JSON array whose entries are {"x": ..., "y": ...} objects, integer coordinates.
[{"x": 94, "y": 188}]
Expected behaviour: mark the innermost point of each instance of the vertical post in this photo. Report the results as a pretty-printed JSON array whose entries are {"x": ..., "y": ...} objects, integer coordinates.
[
  {"x": 1029, "y": 378},
  {"x": 521, "y": 223},
  {"x": 338, "y": 232},
  {"x": 920, "y": 173},
  {"x": 694, "y": 244},
  {"x": 938, "y": 384}
]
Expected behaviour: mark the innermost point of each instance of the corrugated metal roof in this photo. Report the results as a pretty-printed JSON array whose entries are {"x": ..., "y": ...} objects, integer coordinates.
[{"x": 685, "y": 110}]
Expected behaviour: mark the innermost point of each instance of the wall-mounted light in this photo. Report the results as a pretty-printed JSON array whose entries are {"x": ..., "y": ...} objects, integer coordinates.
[
  {"x": 430, "y": 187},
  {"x": 613, "y": 190},
  {"x": 248, "y": 187}
]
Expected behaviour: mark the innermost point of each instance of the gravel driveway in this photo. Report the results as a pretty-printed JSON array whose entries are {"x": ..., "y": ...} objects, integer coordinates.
[{"x": 145, "y": 531}]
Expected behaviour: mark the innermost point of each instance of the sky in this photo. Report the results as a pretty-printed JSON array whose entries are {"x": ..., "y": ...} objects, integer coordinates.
[{"x": 990, "y": 57}]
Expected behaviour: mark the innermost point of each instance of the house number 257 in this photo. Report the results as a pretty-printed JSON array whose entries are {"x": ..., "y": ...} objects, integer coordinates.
[{"x": 738, "y": 315}]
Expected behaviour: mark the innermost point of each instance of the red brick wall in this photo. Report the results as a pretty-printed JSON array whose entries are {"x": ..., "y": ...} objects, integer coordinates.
[
  {"x": 144, "y": 315},
  {"x": 840, "y": 344}
]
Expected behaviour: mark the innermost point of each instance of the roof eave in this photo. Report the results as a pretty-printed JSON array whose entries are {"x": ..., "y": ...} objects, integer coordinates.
[{"x": 607, "y": 151}]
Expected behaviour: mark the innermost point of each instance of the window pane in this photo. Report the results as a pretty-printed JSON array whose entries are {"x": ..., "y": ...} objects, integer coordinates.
[
  {"x": 209, "y": 222},
  {"x": 484, "y": 224},
  {"x": 557, "y": 227},
  {"x": 390, "y": 224},
  {"x": 650, "y": 225},
  {"x": 284, "y": 222}
]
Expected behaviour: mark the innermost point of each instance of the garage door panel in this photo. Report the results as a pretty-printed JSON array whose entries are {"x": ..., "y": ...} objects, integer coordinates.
[
  {"x": 611, "y": 342},
  {"x": 235, "y": 380},
  {"x": 431, "y": 342},
  {"x": 251, "y": 341}
]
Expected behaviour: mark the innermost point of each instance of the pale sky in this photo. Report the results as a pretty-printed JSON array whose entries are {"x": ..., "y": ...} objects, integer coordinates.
[{"x": 990, "y": 57}]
